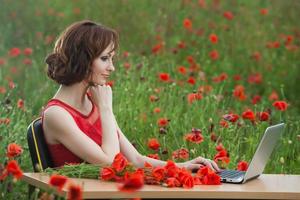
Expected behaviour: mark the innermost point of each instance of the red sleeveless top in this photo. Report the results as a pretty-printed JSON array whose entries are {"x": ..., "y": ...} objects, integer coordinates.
[{"x": 89, "y": 124}]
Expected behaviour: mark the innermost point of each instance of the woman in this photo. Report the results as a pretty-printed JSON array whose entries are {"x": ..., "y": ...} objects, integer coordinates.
[{"x": 78, "y": 122}]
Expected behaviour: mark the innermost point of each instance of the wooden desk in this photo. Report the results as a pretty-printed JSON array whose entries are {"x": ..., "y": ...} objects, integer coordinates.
[{"x": 267, "y": 186}]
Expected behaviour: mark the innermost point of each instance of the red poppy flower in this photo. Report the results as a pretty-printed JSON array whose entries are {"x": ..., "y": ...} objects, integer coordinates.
[
  {"x": 256, "y": 99},
  {"x": 191, "y": 80},
  {"x": 197, "y": 180},
  {"x": 14, "y": 150},
  {"x": 186, "y": 180},
  {"x": 2, "y": 90},
  {"x": 264, "y": 11},
  {"x": 212, "y": 179},
  {"x": 273, "y": 96},
  {"x": 20, "y": 104},
  {"x": 182, "y": 70},
  {"x": 156, "y": 48},
  {"x": 205, "y": 89},
  {"x": 173, "y": 182},
  {"x": 256, "y": 56},
  {"x": 127, "y": 65},
  {"x": 248, "y": 114},
  {"x": 11, "y": 85},
  {"x": 220, "y": 147},
  {"x": 190, "y": 59},
  {"x": 5, "y": 121},
  {"x": 120, "y": 162},
  {"x": 193, "y": 97},
  {"x": 164, "y": 77},
  {"x": 3, "y": 174},
  {"x": 14, "y": 52},
  {"x": 181, "y": 44},
  {"x": 280, "y": 105},
  {"x": 214, "y": 54},
  {"x": 255, "y": 78},
  {"x": 223, "y": 123},
  {"x": 13, "y": 168},
  {"x": 222, "y": 156},
  {"x": 237, "y": 77},
  {"x": 171, "y": 168},
  {"x": 156, "y": 110},
  {"x": 158, "y": 173},
  {"x": 163, "y": 122},
  {"x": 202, "y": 3},
  {"x": 288, "y": 40},
  {"x": 213, "y": 38},
  {"x": 58, "y": 181},
  {"x": 275, "y": 44},
  {"x": 242, "y": 166},
  {"x": 213, "y": 137},
  {"x": 203, "y": 171},
  {"x": 231, "y": 117},
  {"x": 195, "y": 138},
  {"x": 154, "y": 156},
  {"x": 239, "y": 92},
  {"x": 74, "y": 192},
  {"x": 27, "y": 61},
  {"x": 153, "y": 98},
  {"x": 153, "y": 144},
  {"x": 263, "y": 116},
  {"x": 134, "y": 182},
  {"x": 187, "y": 24},
  {"x": 2, "y": 61},
  {"x": 182, "y": 153},
  {"x": 228, "y": 15},
  {"x": 107, "y": 173}
]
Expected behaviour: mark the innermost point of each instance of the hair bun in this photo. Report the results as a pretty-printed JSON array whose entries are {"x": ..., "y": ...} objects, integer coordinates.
[{"x": 55, "y": 64}]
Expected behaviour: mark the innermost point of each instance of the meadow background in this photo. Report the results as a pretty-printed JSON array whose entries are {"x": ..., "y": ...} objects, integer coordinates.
[{"x": 181, "y": 65}]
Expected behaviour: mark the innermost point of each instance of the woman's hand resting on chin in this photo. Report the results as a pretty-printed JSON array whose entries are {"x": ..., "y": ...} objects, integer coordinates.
[{"x": 101, "y": 95}]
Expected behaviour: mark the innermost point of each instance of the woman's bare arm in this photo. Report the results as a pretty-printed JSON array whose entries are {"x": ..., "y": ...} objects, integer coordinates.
[
  {"x": 62, "y": 127},
  {"x": 128, "y": 150}
]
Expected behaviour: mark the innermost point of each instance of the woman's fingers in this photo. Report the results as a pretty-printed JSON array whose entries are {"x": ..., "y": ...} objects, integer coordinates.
[
  {"x": 214, "y": 164},
  {"x": 208, "y": 163}
]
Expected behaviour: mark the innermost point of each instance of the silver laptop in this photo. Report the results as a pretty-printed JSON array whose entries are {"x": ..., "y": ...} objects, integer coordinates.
[{"x": 259, "y": 160}]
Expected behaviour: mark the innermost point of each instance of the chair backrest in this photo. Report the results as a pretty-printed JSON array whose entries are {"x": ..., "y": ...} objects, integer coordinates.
[{"x": 38, "y": 148}]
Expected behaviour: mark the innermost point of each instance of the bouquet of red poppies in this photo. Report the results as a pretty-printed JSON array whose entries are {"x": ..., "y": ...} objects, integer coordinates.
[{"x": 132, "y": 178}]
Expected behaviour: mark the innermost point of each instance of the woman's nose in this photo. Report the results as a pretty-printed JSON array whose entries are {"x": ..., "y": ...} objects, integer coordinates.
[{"x": 111, "y": 67}]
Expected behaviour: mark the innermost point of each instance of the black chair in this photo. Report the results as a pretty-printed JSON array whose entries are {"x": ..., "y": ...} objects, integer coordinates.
[{"x": 38, "y": 148}]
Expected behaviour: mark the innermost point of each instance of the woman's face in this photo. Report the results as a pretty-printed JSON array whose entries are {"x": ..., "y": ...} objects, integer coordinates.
[{"x": 103, "y": 66}]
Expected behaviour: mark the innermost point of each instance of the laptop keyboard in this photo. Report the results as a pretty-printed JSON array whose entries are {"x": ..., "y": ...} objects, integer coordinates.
[{"x": 231, "y": 173}]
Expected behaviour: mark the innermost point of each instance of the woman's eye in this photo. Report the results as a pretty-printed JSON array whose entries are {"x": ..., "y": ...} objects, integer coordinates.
[{"x": 105, "y": 58}]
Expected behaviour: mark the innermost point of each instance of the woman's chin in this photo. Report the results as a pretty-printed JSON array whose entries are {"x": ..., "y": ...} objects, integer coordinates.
[{"x": 102, "y": 82}]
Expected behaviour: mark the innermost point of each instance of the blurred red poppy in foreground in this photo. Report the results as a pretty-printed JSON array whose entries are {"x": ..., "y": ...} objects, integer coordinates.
[
  {"x": 134, "y": 182},
  {"x": 74, "y": 192},
  {"x": 58, "y": 181}
]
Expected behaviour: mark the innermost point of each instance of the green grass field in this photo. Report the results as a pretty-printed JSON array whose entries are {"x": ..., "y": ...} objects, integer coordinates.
[{"x": 254, "y": 62}]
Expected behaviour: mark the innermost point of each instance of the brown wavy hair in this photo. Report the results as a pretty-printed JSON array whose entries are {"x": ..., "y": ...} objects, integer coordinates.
[{"x": 76, "y": 48}]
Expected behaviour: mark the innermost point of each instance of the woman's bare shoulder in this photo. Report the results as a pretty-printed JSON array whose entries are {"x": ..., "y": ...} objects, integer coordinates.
[{"x": 57, "y": 118}]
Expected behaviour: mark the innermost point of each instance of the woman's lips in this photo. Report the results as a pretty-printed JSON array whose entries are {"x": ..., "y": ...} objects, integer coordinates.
[{"x": 106, "y": 76}]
